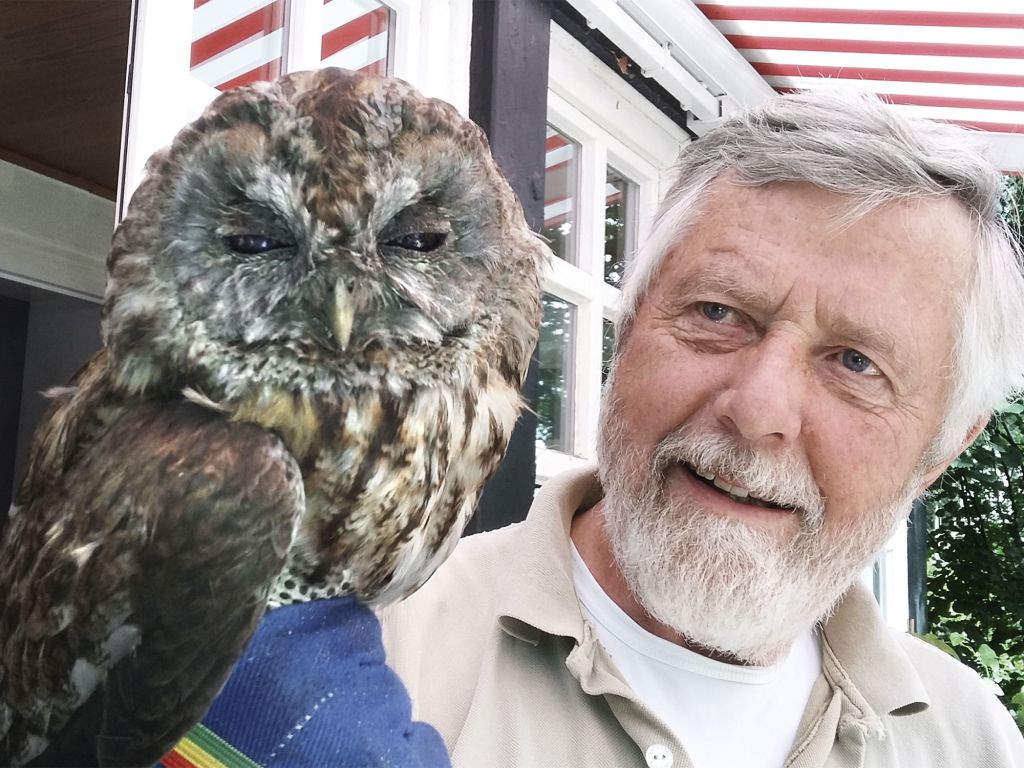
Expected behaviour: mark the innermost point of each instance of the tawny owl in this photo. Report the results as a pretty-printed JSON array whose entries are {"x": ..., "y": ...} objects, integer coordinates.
[{"x": 320, "y": 308}]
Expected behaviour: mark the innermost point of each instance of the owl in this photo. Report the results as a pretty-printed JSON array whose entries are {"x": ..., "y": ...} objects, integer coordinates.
[{"x": 320, "y": 308}]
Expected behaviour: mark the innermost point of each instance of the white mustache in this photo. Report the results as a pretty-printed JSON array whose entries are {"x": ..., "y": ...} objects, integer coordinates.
[{"x": 780, "y": 479}]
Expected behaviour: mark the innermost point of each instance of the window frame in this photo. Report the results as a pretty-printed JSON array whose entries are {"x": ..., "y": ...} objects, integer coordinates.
[{"x": 613, "y": 125}]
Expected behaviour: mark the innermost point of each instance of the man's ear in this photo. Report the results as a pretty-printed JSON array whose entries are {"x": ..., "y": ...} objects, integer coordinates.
[{"x": 932, "y": 473}]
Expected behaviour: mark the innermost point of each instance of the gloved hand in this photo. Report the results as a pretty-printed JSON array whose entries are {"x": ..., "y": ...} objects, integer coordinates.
[{"x": 312, "y": 689}]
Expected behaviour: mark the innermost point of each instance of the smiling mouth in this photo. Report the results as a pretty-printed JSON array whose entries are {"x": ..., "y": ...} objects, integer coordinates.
[{"x": 735, "y": 492}]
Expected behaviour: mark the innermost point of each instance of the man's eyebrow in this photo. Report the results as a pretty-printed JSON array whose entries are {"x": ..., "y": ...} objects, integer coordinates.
[
  {"x": 858, "y": 333},
  {"x": 724, "y": 281}
]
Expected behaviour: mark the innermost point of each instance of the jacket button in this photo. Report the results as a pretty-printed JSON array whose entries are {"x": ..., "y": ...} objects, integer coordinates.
[{"x": 659, "y": 756}]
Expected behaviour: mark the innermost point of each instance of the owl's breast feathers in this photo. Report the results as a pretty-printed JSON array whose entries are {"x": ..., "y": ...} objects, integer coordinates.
[
  {"x": 135, "y": 569},
  {"x": 393, "y": 466}
]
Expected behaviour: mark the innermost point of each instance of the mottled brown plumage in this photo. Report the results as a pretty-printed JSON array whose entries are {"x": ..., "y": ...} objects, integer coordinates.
[{"x": 320, "y": 308}]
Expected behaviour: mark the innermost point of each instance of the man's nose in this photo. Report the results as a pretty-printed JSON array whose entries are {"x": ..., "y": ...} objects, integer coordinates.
[{"x": 763, "y": 399}]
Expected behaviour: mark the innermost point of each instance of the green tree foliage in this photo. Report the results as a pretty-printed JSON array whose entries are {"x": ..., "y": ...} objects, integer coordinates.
[
  {"x": 976, "y": 564},
  {"x": 1013, "y": 205},
  {"x": 976, "y": 567}
]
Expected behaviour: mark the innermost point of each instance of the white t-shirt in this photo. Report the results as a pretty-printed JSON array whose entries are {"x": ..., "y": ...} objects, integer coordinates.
[{"x": 724, "y": 715}]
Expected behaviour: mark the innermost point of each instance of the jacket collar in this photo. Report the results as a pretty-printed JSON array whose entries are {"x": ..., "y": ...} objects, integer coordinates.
[
  {"x": 540, "y": 596},
  {"x": 865, "y": 660}
]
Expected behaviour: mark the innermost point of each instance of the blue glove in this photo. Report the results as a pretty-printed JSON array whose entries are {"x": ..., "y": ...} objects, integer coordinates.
[{"x": 312, "y": 689}]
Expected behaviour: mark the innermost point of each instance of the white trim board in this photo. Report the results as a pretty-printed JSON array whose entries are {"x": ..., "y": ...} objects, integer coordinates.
[
  {"x": 53, "y": 235},
  {"x": 584, "y": 82}
]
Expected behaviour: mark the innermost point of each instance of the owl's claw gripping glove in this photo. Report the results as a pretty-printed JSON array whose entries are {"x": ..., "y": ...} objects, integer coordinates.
[{"x": 312, "y": 689}]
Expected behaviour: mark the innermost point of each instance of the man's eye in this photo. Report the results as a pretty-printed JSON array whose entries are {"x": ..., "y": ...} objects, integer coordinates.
[
  {"x": 420, "y": 241},
  {"x": 716, "y": 313},
  {"x": 252, "y": 244},
  {"x": 856, "y": 362}
]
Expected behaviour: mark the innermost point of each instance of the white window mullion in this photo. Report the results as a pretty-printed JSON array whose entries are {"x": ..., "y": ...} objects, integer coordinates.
[
  {"x": 588, "y": 338},
  {"x": 431, "y": 47},
  {"x": 647, "y": 206},
  {"x": 610, "y": 301},
  {"x": 406, "y": 39},
  {"x": 304, "y": 30},
  {"x": 567, "y": 282},
  {"x": 588, "y": 376},
  {"x": 593, "y": 157}
]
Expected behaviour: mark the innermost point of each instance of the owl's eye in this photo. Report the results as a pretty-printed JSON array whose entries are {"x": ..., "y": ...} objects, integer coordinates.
[
  {"x": 420, "y": 241},
  {"x": 252, "y": 244}
]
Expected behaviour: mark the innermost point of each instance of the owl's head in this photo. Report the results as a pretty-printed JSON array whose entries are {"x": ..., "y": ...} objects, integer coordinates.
[{"x": 309, "y": 229}]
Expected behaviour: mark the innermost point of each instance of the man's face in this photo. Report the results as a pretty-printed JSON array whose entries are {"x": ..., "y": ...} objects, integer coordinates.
[{"x": 801, "y": 361}]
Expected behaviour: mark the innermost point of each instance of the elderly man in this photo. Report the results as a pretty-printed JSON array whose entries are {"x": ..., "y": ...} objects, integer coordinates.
[{"x": 824, "y": 316}]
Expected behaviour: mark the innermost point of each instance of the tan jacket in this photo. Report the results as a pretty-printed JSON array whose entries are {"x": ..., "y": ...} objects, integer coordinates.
[{"x": 496, "y": 655}]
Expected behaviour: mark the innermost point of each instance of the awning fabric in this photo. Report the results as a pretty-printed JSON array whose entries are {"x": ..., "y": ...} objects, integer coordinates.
[{"x": 955, "y": 60}]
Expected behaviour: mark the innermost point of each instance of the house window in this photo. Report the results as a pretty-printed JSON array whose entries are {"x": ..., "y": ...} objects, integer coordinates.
[
  {"x": 590, "y": 221},
  {"x": 606, "y": 151},
  {"x": 560, "y": 190},
  {"x": 235, "y": 43},
  {"x": 356, "y": 35}
]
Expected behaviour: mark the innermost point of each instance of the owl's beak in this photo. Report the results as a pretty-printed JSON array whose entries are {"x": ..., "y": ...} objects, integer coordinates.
[{"x": 341, "y": 311}]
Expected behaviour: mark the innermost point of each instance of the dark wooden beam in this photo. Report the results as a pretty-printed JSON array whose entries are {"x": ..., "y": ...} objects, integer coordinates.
[
  {"x": 508, "y": 99},
  {"x": 13, "y": 330},
  {"x": 62, "y": 76}
]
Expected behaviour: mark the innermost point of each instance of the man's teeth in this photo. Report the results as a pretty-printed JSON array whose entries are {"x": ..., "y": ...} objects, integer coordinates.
[{"x": 735, "y": 490}]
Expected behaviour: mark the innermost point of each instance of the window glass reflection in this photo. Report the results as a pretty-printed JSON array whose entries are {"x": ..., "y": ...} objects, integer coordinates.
[
  {"x": 355, "y": 35},
  {"x": 233, "y": 45},
  {"x": 554, "y": 374},
  {"x": 560, "y": 194},
  {"x": 619, "y": 227},
  {"x": 607, "y": 347}
]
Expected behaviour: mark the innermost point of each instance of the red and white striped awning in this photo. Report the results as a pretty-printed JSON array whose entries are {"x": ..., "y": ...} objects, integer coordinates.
[
  {"x": 955, "y": 60},
  {"x": 235, "y": 42}
]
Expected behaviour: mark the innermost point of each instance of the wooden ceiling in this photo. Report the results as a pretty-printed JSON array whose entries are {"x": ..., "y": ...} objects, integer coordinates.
[{"x": 62, "y": 80}]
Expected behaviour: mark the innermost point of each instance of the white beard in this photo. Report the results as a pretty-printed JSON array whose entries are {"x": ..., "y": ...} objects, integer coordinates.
[{"x": 724, "y": 586}]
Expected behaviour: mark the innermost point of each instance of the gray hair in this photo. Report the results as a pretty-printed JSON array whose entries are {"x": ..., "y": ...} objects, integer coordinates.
[{"x": 855, "y": 145}]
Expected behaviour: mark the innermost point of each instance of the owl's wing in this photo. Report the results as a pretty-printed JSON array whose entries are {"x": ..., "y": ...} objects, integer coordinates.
[{"x": 129, "y": 589}]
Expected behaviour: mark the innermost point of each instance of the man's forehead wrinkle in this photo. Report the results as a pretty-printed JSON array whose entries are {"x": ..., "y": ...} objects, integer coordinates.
[{"x": 756, "y": 229}]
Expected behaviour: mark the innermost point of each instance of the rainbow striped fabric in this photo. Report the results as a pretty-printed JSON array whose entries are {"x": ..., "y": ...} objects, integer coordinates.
[{"x": 202, "y": 748}]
